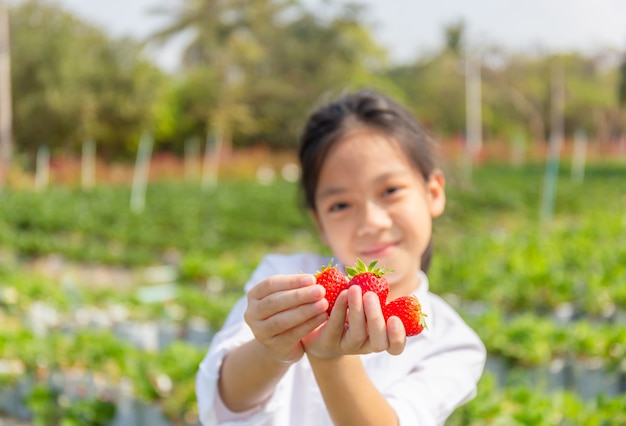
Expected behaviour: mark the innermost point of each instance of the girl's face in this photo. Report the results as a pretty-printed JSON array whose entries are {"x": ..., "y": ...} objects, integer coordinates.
[{"x": 372, "y": 204}]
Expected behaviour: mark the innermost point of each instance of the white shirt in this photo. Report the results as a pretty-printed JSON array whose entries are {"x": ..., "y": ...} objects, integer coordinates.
[{"x": 437, "y": 372}]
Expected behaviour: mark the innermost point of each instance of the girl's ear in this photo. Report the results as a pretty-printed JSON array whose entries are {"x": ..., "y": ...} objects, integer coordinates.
[
  {"x": 435, "y": 188},
  {"x": 320, "y": 228}
]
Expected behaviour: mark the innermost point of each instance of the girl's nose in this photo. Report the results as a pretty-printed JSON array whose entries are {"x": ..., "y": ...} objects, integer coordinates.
[{"x": 374, "y": 218}]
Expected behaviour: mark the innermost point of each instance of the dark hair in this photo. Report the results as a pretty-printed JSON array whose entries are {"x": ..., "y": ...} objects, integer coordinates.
[{"x": 363, "y": 109}]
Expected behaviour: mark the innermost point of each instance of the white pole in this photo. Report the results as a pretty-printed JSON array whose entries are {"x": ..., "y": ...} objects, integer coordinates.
[
  {"x": 473, "y": 108},
  {"x": 518, "y": 149},
  {"x": 579, "y": 156},
  {"x": 42, "y": 174},
  {"x": 88, "y": 165},
  {"x": 211, "y": 163},
  {"x": 554, "y": 148},
  {"x": 5, "y": 94},
  {"x": 140, "y": 177},
  {"x": 192, "y": 152}
]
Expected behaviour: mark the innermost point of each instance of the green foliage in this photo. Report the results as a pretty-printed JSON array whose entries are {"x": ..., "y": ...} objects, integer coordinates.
[
  {"x": 43, "y": 403},
  {"x": 98, "y": 226},
  {"x": 509, "y": 275},
  {"x": 523, "y": 263},
  {"x": 92, "y": 412},
  {"x": 524, "y": 406},
  {"x": 71, "y": 83},
  {"x": 50, "y": 408},
  {"x": 100, "y": 352},
  {"x": 529, "y": 340},
  {"x": 253, "y": 70},
  {"x": 434, "y": 89}
]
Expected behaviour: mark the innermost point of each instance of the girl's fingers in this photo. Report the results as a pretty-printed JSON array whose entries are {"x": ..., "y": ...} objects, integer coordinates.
[
  {"x": 337, "y": 320},
  {"x": 300, "y": 331},
  {"x": 376, "y": 326},
  {"x": 357, "y": 329},
  {"x": 396, "y": 335},
  {"x": 285, "y": 300},
  {"x": 366, "y": 331},
  {"x": 278, "y": 283},
  {"x": 283, "y": 321}
]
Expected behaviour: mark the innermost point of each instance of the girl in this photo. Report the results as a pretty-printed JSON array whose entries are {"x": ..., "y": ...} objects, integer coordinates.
[{"x": 371, "y": 185}]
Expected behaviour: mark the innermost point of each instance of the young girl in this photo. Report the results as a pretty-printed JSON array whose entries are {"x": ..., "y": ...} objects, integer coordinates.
[{"x": 372, "y": 187}]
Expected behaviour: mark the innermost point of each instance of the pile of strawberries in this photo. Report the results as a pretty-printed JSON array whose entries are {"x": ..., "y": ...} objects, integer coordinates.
[{"x": 371, "y": 278}]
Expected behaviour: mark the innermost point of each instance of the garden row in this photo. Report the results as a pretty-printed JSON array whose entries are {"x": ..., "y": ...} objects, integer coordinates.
[
  {"x": 546, "y": 297},
  {"x": 525, "y": 405},
  {"x": 181, "y": 224},
  {"x": 89, "y": 347},
  {"x": 575, "y": 268},
  {"x": 96, "y": 378},
  {"x": 490, "y": 245},
  {"x": 157, "y": 390},
  {"x": 116, "y": 376},
  {"x": 146, "y": 313},
  {"x": 82, "y": 356}
]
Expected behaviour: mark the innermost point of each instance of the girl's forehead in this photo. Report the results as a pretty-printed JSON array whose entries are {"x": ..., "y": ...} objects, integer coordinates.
[
  {"x": 364, "y": 143},
  {"x": 362, "y": 153}
]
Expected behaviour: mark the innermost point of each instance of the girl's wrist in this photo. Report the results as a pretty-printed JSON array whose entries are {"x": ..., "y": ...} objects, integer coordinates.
[
  {"x": 324, "y": 358},
  {"x": 285, "y": 361}
]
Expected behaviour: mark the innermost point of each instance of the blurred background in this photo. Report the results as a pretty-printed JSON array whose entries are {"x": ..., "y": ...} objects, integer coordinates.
[{"x": 147, "y": 163}]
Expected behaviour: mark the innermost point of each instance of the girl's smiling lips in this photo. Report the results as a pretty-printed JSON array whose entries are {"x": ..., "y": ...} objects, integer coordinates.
[{"x": 379, "y": 250}]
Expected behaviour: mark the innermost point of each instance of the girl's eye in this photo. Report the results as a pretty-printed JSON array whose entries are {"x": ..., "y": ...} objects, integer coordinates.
[
  {"x": 337, "y": 207},
  {"x": 391, "y": 190}
]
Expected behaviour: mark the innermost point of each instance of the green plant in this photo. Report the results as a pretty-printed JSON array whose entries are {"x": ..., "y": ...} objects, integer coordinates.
[{"x": 50, "y": 407}]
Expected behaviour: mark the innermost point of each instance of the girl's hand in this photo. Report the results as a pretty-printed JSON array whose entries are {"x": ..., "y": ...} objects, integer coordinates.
[
  {"x": 282, "y": 310},
  {"x": 365, "y": 332}
]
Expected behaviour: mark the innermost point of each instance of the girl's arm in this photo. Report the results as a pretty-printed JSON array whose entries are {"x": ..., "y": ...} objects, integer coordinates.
[
  {"x": 248, "y": 376},
  {"x": 349, "y": 394},
  {"x": 281, "y": 311}
]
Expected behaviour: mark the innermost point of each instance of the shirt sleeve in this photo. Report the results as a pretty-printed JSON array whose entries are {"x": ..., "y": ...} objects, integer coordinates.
[
  {"x": 234, "y": 333},
  {"x": 212, "y": 410}
]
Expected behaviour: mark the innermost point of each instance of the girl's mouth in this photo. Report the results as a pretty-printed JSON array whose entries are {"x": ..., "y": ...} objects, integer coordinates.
[{"x": 379, "y": 251}]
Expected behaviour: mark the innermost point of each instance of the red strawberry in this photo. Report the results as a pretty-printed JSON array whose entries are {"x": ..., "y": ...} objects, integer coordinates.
[
  {"x": 409, "y": 310},
  {"x": 333, "y": 280},
  {"x": 370, "y": 278}
]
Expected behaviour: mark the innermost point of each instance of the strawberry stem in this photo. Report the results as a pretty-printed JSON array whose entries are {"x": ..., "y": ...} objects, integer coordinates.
[
  {"x": 361, "y": 267},
  {"x": 324, "y": 267}
]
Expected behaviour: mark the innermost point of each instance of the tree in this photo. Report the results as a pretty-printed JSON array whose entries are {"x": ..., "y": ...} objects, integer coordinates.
[
  {"x": 226, "y": 40},
  {"x": 455, "y": 37},
  {"x": 314, "y": 58},
  {"x": 72, "y": 83},
  {"x": 515, "y": 95},
  {"x": 268, "y": 61}
]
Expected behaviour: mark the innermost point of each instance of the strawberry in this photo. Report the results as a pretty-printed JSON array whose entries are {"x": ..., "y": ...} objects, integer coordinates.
[
  {"x": 333, "y": 280},
  {"x": 409, "y": 310},
  {"x": 370, "y": 278}
]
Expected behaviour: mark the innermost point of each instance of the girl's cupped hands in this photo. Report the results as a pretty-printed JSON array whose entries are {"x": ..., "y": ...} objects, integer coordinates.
[{"x": 356, "y": 326}]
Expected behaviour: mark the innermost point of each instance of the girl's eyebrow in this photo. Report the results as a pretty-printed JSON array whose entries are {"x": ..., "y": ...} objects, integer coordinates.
[
  {"x": 334, "y": 190},
  {"x": 330, "y": 191}
]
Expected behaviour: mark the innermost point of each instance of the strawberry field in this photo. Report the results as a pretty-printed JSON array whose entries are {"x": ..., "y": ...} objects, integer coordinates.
[{"x": 106, "y": 313}]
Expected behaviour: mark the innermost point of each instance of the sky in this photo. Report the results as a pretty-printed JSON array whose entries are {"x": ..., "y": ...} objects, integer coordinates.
[{"x": 412, "y": 28}]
